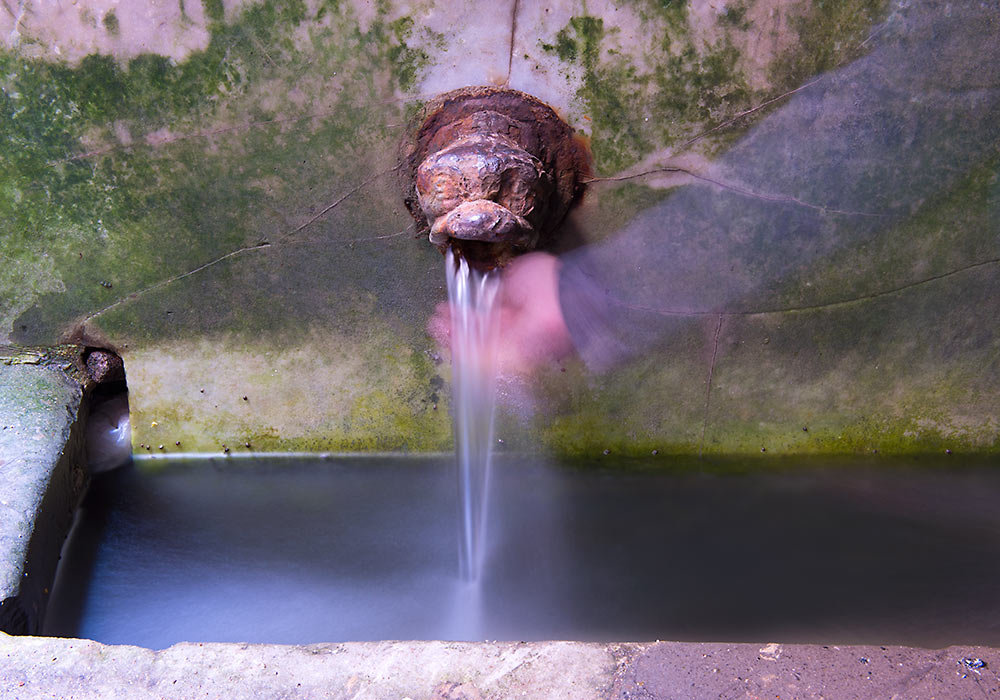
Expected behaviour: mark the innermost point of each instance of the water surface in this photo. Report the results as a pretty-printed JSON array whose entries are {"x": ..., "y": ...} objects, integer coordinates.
[{"x": 311, "y": 550}]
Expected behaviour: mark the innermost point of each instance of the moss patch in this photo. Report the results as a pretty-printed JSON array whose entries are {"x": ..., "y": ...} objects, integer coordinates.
[
  {"x": 631, "y": 110},
  {"x": 830, "y": 33},
  {"x": 117, "y": 177}
]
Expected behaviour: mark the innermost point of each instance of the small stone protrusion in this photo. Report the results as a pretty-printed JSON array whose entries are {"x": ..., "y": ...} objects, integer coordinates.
[{"x": 104, "y": 366}]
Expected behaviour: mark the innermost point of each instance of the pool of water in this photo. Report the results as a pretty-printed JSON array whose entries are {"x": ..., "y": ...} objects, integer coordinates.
[{"x": 310, "y": 550}]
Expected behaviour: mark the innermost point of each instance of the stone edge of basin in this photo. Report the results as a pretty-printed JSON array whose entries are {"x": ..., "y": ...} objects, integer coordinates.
[
  {"x": 42, "y": 477},
  {"x": 33, "y": 667}
]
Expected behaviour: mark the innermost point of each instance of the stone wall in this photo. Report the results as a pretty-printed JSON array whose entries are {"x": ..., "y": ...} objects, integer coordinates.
[{"x": 210, "y": 188}]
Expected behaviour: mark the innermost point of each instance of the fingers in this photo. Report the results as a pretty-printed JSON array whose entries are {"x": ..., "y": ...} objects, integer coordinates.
[{"x": 533, "y": 331}]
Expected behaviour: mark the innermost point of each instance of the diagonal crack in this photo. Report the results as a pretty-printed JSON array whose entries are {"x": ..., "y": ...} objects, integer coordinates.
[
  {"x": 22, "y": 9},
  {"x": 263, "y": 245},
  {"x": 746, "y": 113},
  {"x": 330, "y": 207},
  {"x": 708, "y": 385},
  {"x": 513, "y": 33},
  {"x": 170, "y": 280},
  {"x": 738, "y": 189},
  {"x": 823, "y": 305}
]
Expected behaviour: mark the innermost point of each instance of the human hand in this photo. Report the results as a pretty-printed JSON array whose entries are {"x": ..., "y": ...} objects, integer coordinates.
[{"x": 533, "y": 331}]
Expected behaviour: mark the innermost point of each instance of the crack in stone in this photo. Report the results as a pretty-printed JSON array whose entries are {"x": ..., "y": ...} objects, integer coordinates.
[
  {"x": 330, "y": 207},
  {"x": 732, "y": 120},
  {"x": 250, "y": 248},
  {"x": 816, "y": 307},
  {"x": 513, "y": 32},
  {"x": 708, "y": 387},
  {"x": 778, "y": 198},
  {"x": 22, "y": 10}
]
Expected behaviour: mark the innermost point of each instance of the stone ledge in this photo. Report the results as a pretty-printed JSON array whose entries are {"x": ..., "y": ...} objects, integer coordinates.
[
  {"x": 33, "y": 667},
  {"x": 671, "y": 670},
  {"x": 41, "y": 481},
  {"x": 73, "y": 669}
]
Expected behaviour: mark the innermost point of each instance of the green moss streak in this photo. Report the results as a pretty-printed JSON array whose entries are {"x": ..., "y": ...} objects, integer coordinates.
[
  {"x": 672, "y": 13},
  {"x": 699, "y": 89},
  {"x": 830, "y": 34},
  {"x": 214, "y": 10},
  {"x": 110, "y": 23},
  {"x": 735, "y": 16}
]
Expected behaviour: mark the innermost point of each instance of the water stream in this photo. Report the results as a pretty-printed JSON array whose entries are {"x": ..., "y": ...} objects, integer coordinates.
[{"x": 474, "y": 335}]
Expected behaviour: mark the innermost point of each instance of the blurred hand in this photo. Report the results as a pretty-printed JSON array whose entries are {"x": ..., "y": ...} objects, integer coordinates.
[{"x": 532, "y": 329}]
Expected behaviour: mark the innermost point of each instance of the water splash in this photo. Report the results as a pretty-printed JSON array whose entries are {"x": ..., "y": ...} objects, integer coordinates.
[
  {"x": 109, "y": 435},
  {"x": 474, "y": 335}
]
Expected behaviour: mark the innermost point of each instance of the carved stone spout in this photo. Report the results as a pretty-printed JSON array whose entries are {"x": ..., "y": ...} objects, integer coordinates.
[{"x": 493, "y": 173}]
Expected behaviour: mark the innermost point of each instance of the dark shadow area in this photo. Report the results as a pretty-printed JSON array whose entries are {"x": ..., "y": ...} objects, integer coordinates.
[{"x": 107, "y": 447}]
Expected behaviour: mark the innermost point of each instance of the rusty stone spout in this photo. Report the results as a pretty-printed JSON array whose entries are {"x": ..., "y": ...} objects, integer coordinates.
[{"x": 492, "y": 172}]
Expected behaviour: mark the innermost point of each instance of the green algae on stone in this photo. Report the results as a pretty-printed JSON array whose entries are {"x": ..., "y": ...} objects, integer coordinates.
[
  {"x": 735, "y": 15},
  {"x": 111, "y": 195},
  {"x": 611, "y": 91},
  {"x": 830, "y": 33},
  {"x": 631, "y": 111},
  {"x": 214, "y": 10},
  {"x": 700, "y": 88},
  {"x": 110, "y": 22},
  {"x": 325, "y": 392}
]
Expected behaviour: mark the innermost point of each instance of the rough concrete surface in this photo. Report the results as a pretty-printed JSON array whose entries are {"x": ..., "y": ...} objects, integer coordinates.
[
  {"x": 40, "y": 481},
  {"x": 70, "y": 669},
  {"x": 701, "y": 671},
  {"x": 76, "y": 670}
]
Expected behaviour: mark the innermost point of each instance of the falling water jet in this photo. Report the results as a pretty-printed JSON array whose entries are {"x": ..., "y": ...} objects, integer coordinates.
[{"x": 475, "y": 324}]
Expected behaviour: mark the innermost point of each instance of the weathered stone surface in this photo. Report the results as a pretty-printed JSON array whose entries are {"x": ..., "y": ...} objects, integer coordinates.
[
  {"x": 220, "y": 205},
  {"x": 77, "y": 669},
  {"x": 104, "y": 366},
  {"x": 73, "y": 669},
  {"x": 665, "y": 671},
  {"x": 41, "y": 478}
]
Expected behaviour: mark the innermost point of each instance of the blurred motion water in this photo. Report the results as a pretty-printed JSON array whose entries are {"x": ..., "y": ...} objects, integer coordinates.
[
  {"x": 474, "y": 333},
  {"x": 364, "y": 549}
]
